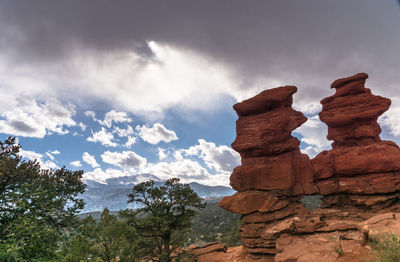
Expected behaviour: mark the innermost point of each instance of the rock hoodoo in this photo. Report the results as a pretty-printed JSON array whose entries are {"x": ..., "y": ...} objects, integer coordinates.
[
  {"x": 274, "y": 173},
  {"x": 361, "y": 170},
  {"x": 358, "y": 178}
]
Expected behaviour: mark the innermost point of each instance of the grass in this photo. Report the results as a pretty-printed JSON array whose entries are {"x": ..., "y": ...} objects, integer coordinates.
[
  {"x": 385, "y": 248},
  {"x": 338, "y": 249}
]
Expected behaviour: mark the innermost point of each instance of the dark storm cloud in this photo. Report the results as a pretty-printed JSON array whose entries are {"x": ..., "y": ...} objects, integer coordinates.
[
  {"x": 23, "y": 127},
  {"x": 309, "y": 42}
]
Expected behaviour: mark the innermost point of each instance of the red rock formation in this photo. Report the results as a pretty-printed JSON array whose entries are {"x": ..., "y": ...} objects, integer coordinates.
[
  {"x": 352, "y": 112},
  {"x": 358, "y": 178},
  {"x": 359, "y": 163},
  {"x": 273, "y": 168}
]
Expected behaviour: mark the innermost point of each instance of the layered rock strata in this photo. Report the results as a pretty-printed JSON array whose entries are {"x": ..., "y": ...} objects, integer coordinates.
[
  {"x": 361, "y": 172},
  {"x": 274, "y": 173},
  {"x": 358, "y": 178}
]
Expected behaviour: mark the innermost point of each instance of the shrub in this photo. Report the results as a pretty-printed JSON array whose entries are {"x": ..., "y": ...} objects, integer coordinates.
[{"x": 385, "y": 248}]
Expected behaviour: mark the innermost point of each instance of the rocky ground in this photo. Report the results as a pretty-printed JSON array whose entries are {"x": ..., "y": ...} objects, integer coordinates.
[{"x": 349, "y": 245}]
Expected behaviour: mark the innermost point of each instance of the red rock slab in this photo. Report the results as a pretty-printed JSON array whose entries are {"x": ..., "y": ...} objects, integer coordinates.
[
  {"x": 379, "y": 183},
  {"x": 350, "y": 85},
  {"x": 251, "y": 201},
  {"x": 373, "y": 158},
  {"x": 259, "y": 245},
  {"x": 346, "y": 110},
  {"x": 338, "y": 225},
  {"x": 378, "y": 157},
  {"x": 286, "y": 225},
  {"x": 381, "y": 225},
  {"x": 260, "y": 217},
  {"x": 369, "y": 200},
  {"x": 359, "y": 201},
  {"x": 251, "y": 230},
  {"x": 233, "y": 254},
  {"x": 259, "y": 251},
  {"x": 321, "y": 247},
  {"x": 208, "y": 248},
  {"x": 356, "y": 130},
  {"x": 322, "y": 165},
  {"x": 259, "y": 135},
  {"x": 304, "y": 177},
  {"x": 269, "y": 149},
  {"x": 266, "y": 173},
  {"x": 307, "y": 224},
  {"x": 266, "y": 101}
]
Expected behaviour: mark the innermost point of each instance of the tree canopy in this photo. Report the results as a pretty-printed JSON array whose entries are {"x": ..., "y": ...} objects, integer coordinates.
[
  {"x": 37, "y": 206},
  {"x": 165, "y": 215}
]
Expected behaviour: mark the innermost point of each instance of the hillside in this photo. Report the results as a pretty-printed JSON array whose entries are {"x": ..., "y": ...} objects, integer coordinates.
[
  {"x": 213, "y": 224},
  {"x": 113, "y": 194}
]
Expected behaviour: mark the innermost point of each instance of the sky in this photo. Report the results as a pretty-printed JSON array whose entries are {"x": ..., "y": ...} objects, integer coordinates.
[{"x": 146, "y": 88}]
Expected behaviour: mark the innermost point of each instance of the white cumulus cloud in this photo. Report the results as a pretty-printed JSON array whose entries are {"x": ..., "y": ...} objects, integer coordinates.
[
  {"x": 161, "y": 153},
  {"x": 187, "y": 170},
  {"x": 314, "y": 134},
  {"x": 31, "y": 118},
  {"x": 156, "y": 134},
  {"x": 124, "y": 159},
  {"x": 76, "y": 163},
  {"x": 101, "y": 175},
  {"x": 32, "y": 155},
  {"x": 124, "y": 132},
  {"x": 89, "y": 159},
  {"x": 117, "y": 117},
  {"x": 221, "y": 158},
  {"x": 103, "y": 137},
  {"x": 391, "y": 118},
  {"x": 131, "y": 140}
]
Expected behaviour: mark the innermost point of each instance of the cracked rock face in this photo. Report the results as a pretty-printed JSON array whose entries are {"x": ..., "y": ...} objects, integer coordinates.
[{"x": 357, "y": 178}]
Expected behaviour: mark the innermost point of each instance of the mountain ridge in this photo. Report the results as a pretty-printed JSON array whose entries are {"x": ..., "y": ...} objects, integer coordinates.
[{"x": 114, "y": 193}]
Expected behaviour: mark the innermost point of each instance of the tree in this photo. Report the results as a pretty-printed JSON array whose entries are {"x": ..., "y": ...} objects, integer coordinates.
[
  {"x": 37, "y": 207},
  {"x": 114, "y": 238},
  {"x": 165, "y": 215},
  {"x": 79, "y": 245},
  {"x": 110, "y": 239}
]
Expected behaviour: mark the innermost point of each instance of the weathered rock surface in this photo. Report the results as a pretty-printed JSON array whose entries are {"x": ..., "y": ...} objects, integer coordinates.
[
  {"x": 330, "y": 247},
  {"x": 352, "y": 112},
  {"x": 381, "y": 225},
  {"x": 232, "y": 254},
  {"x": 251, "y": 201},
  {"x": 357, "y": 179}
]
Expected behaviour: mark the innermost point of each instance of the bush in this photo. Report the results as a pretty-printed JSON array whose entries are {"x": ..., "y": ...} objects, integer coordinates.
[{"x": 385, "y": 249}]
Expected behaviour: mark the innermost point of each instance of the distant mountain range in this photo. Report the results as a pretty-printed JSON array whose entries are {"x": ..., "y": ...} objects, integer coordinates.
[{"x": 113, "y": 193}]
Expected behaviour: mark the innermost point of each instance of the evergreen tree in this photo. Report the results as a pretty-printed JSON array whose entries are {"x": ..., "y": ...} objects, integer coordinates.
[
  {"x": 165, "y": 215},
  {"x": 37, "y": 207}
]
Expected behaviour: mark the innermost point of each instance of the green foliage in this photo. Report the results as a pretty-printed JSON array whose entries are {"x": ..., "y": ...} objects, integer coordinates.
[
  {"x": 385, "y": 249},
  {"x": 338, "y": 249},
  {"x": 37, "y": 207},
  {"x": 39, "y": 221},
  {"x": 106, "y": 240},
  {"x": 78, "y": 246},
  {"x": 164, "y": 218},
  {"x": 114, "y": 239},
  {"x": 214, "y": 224}
]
